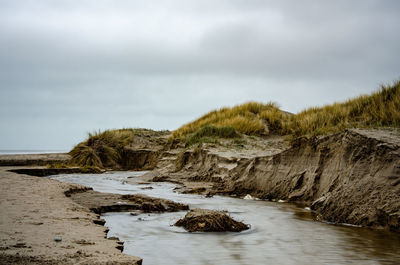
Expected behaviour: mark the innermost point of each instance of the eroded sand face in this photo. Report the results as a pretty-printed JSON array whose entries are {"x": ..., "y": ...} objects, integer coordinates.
[{"x": 35, "y": 211}]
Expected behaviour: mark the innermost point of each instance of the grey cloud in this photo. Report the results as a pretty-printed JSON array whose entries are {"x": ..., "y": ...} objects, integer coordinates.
[{"x": 87, "y": 65}]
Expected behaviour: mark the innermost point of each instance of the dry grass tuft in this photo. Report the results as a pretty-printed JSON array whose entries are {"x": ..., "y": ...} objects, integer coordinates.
[{"x": 102, "y": 149}]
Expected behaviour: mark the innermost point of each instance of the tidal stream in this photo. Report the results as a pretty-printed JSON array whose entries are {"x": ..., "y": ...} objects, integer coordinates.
[{"x": 281, "y": 233}]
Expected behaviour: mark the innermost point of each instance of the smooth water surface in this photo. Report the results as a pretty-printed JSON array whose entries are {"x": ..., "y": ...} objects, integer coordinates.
[{"x": 280, "y": 233}]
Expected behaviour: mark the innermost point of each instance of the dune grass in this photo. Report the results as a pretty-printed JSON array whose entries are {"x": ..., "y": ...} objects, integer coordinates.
[
  {"x": 379, "y": 109},
  {"x": 245, "y": 118},
  {"x": 102, "y": 149}
]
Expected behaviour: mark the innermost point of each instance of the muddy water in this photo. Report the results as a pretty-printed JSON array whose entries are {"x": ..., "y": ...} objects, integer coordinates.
[{"x": 280, "y": 233}]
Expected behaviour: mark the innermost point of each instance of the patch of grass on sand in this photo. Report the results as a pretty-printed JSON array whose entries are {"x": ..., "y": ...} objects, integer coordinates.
[{"x": 102, "y": 149}]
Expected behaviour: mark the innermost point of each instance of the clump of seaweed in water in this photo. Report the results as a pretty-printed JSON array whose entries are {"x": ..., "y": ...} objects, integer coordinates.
[{"x": 200, "y": 220}]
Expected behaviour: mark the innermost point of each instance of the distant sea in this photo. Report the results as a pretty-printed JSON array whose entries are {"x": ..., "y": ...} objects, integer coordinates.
[{"x": 26, "y": 152}]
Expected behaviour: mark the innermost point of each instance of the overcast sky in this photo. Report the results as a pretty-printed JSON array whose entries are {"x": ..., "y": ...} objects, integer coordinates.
[{"x": 70, "y": 67}]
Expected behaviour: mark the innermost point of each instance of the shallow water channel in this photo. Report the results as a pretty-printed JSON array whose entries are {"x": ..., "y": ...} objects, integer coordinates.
[{"x": 281, "y": 233}]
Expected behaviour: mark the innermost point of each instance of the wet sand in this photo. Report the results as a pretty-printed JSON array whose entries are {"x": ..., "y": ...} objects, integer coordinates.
[{"x": 35, "y": 211}]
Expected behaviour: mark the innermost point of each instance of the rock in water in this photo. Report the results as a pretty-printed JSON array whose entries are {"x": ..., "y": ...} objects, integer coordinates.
[
  {"x": 200, "y": 220},
  {"x": 249, "y": 197}
]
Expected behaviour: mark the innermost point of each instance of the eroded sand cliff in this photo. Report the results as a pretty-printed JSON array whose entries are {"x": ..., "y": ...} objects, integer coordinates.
[{"x": 351, "y": 177}]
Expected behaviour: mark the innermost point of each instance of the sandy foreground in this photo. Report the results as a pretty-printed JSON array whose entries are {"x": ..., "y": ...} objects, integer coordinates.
[{"x": 34, "y": 212}]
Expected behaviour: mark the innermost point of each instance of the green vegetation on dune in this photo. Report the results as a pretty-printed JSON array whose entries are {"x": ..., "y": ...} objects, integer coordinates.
[
  {"x": 381, "y": 108},
  {"x": 105, "y": 149},
  {"x": 207, "y": 132}
]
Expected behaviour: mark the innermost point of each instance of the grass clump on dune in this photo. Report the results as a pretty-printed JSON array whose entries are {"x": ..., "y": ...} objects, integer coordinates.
[
  {"x": 102, "y": 149},
  {"x": 276, "y": 120},
  {"x": 245, "y": 118}
]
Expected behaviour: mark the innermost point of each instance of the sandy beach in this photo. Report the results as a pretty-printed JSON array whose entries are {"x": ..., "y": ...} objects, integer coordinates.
[{"x": 35, "y": 213}]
